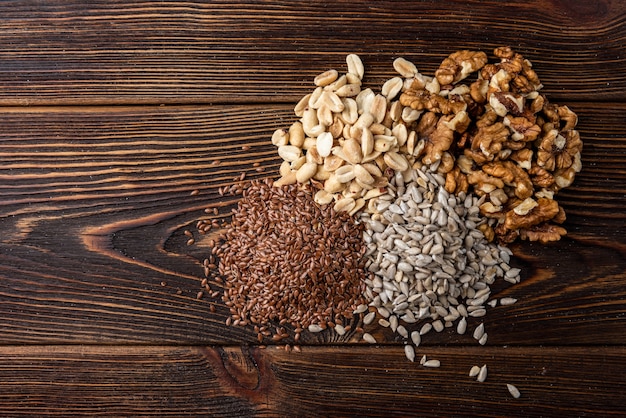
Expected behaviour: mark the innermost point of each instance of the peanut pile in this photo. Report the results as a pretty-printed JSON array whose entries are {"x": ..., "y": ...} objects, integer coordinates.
[{"x": 484, "y": 126}]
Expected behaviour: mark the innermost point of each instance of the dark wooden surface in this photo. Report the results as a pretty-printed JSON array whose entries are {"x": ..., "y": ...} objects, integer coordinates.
[{"x": 112, "y": 113}]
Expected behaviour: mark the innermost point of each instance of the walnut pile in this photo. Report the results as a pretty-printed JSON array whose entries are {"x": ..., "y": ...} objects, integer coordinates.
[
  {"x": 483, "y": 125},
  {"x": 506, "y": 141}
]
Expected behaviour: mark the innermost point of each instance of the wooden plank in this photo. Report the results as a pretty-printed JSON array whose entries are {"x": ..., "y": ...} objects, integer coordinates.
[
  {"x": 107, "y": 52},
  {"x": 324, "y": 381},
  {"x": 94, "y": 203}
]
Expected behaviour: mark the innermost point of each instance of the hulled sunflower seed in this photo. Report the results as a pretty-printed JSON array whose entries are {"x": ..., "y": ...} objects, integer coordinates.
[
  {"x": 507, "y": 301},
  {"x": 474, "y": 371},
  {"x": 461, "y": 326},
  {"x": 478, "y": 313},
  {"x": 369, "y": 318},
  {"x": 432, "y": 363},
  {"x": 409, "y": 351},
  {"x": 514, "y": 391},
  {"x": 416, "y": 338},
  {"x": 315, "y": 328},
  {"x": 369, "y": 338},
  {"x": 402, "y": 331},
  {"x": 482, "y": 374},
  {"x": 360, "y": 309},
  {"x": 479, "y": 331},
  {"x": 438, "y": 325}
]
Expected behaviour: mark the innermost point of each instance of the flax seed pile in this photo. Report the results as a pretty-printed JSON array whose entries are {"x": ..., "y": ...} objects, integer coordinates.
[
  {"x": 395, "y": 207},
  {"x": 289, "y": 261}
]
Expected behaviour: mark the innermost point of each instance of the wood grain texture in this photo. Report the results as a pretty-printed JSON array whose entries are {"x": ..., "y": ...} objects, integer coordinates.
[
  {"x": 94, "y": 204},
  {"x": 325, "y": 381},
  {"x": 106, "y": 52},
  {"x": 141, "y": 110}
]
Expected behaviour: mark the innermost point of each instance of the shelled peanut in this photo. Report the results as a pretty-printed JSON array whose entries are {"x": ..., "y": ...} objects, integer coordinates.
[{"x": 347, "y": 139}]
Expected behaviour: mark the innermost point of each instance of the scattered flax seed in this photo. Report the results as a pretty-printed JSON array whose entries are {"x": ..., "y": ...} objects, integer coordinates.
[
  {"x": 245, "y": 147},
  {"x": 513, "y": 391},
  {"x": 199, "y": 295},
  {"x": 474, "y": 371},
  {"x": 482, "y": 374},
  {"x": 191, "y": 241},
  {"x": 188, "y": 233},
  {"x": 163, "y": 283},
  {"x": 194, "y": 192},
  {"x": 216, "y": 162}
]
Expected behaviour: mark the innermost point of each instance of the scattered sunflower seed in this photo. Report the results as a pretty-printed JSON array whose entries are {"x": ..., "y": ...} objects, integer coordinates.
[
  {"x": 461, "y": 326},
  {"x": 479, "y": 331},
  {"x": 432, "y": 363},
  {"x": 315, "y": 328},
  {"x": 513, "y": 391},
  {"x": 409, "y": 351},
  {"x": 482, "y": 374},
  {"x": 416, "y": 338},
  {"x": 507, "y": 301}
]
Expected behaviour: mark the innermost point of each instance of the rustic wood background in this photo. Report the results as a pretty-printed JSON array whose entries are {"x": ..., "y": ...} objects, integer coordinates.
[{"x": 111, "y": 113}]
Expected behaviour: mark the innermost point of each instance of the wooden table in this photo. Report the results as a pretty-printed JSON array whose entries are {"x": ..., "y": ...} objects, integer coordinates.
[{"x": 112, "y": 113}]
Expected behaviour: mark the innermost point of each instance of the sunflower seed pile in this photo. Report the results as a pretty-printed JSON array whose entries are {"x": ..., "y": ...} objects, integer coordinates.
[{"x": 432, "y": 264}]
